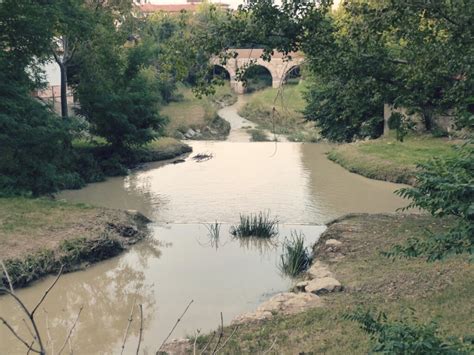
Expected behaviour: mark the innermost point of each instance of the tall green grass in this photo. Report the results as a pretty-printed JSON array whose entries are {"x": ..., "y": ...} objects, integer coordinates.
[
  {"x": 255, "y": 225},
  {"x": 295, "y": 258}
]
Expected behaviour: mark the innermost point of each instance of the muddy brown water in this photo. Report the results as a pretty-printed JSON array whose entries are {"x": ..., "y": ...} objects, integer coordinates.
[{"x": 294, "y": 182}]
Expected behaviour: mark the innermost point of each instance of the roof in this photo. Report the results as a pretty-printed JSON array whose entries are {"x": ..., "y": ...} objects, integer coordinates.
[{"x": 191, "y": 7}]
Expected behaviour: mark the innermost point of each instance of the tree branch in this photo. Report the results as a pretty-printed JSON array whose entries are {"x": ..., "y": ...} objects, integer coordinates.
[
  {"x": 17, "y": 336},
  {"x": 141, "y": 328},
  {"x": 175, "y": 325},
  {"x": 47, "y": 291},
  {"x": 71, "y": 330}
]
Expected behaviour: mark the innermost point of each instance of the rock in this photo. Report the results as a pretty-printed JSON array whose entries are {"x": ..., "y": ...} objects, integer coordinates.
[
  {"x": 333, "y": 242},
  {"x": 176, "y": 346},
  {"x": 190, "y": 133},
  {"x": 251, "y": 317},
  {"x": 323, "y": 285},
  {"x": 299, "y": 287},
  {"x": 290, "y": 303},
  {"x": 284, "y": 303},
  {"x": 319, "y": 270}
]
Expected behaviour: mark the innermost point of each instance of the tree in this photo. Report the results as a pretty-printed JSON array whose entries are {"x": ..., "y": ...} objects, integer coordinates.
[
  {"x": 33, "y": 142},
  {"x": 74, "y": 21},
  {"x": 413, "y": 54},
  {"x": 117, "y": 88}
]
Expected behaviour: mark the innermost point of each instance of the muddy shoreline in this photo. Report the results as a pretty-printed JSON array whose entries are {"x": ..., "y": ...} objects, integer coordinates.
[
  {"x": 349, "y": 250},
  {"x": 113, "y": 232}
]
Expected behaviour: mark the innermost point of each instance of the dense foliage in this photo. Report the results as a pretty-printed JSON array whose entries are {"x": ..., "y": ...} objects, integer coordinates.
[
  {"x": 412, "y": 54},
  {"x": 445, "y": 187},
  {"x": 117, "y": 88},
  {"x": 121, "y": 67},
  {"x": 405, "y": 336},
  {"x": 33, "y": 143}
]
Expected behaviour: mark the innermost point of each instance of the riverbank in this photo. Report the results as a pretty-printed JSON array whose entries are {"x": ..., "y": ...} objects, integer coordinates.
[
  {"x": 196, "y": 118},
  {"x": 388, "y": 159},
  {"x": 287, "y": 119},
  {"x": 438, "y": 291},
  {"x": 40, "y": 235}
]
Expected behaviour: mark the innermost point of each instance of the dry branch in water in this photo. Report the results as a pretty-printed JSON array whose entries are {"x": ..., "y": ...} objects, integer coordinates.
[
  {"x": 141, "y": 328},
  {"x": 68, "y": 338},
  {"x": 30, "y": 314}
]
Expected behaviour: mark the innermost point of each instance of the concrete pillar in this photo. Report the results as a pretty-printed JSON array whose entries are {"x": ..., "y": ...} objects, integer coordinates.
[
  {"x": 237, "y": 86},
  {"x": 276, "y": 83}
]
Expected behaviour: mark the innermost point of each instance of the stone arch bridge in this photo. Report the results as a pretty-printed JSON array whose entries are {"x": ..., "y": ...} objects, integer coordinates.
[{"x": 278, "y": 67}]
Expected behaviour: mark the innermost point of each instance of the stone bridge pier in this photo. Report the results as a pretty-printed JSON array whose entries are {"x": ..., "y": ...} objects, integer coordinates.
[{"x": 278, "y": 67}]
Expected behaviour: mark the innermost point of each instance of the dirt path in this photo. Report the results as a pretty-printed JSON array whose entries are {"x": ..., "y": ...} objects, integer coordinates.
[{"x": 239, "y": 126}]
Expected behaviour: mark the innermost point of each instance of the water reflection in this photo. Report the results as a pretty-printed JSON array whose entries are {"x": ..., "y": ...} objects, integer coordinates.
[
  {"x": 163, "y": 273},
  {"x": 264, "y": 246},
  {"x": 106, "y": 293},
  {"x": 298, "y": 184}
]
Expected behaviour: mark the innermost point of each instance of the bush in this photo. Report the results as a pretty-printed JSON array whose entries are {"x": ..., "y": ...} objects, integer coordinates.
[
  {"x": 405, "y": 336},
  {"x": 260, "y": 226},
  {"x": 445, "y": 187},
  {"x": 257, "y": 135},
  {"x": 295, "y": 258},
  {"x": 401, "y": 124}
]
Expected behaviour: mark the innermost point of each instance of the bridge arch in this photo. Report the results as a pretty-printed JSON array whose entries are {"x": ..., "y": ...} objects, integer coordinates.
[
  {"x": 221, "y": 71},
  {"x": 292, "y": 73},
  {"x": 278, "y": 66},
  {"x": 256, "y": 77}
]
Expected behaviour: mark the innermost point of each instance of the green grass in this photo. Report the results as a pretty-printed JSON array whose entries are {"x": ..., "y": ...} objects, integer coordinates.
[
  {"x": 295, "y": 258},
  {"x": 287, "y": 118},
  {"x": 27, "y": 214},
  {"x": 390, "y": 160},
  {"x": 440, "y": 291},
  {"x": 197, "y": 113},
  {"x": 255, "y": 225}
]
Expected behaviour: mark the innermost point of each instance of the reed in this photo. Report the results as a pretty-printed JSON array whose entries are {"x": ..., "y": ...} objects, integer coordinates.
[
  {"x": 255, "y": 225},
  {"x": 295, "y": 258}
]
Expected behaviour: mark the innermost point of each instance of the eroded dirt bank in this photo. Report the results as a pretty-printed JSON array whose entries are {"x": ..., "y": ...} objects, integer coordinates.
[{"x": 38, "y": 236}]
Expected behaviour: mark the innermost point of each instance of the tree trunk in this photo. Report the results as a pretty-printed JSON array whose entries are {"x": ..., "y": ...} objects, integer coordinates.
[{"x": 64, "y": 111}]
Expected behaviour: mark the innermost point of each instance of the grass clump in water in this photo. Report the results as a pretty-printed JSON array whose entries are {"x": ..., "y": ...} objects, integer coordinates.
[
  {"x": 253, "y": 225},
  {"x": 295, "y": 258}
]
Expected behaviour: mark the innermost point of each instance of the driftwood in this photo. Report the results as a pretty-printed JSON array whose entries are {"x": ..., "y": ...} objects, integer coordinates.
[{"x": 200, "y": 157}]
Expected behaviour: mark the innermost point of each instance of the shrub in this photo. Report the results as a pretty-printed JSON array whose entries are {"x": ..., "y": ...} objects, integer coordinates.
[
  {"x": 401, "y": 124},
  {"x": 34, "y": 143},
  {"x": 260, "y": 226},
  {"x": 405, "y": 336},
  {"x": 445, "y": 187},
  {"x": 257, "y": 135},
  {"x": 295, "y": 258}
]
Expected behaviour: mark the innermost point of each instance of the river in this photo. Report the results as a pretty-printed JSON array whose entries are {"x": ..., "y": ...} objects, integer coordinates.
[{"x": 293, "y": 182}]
